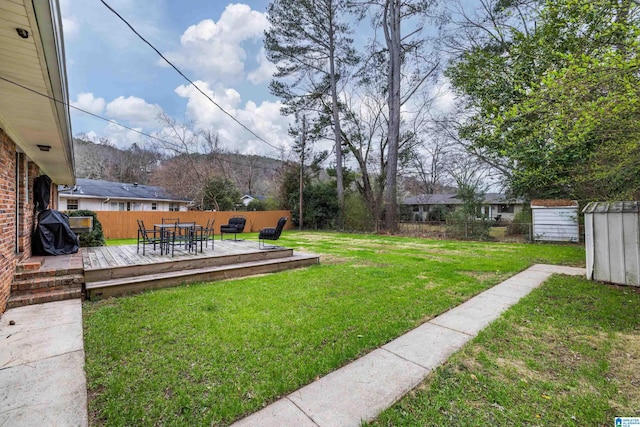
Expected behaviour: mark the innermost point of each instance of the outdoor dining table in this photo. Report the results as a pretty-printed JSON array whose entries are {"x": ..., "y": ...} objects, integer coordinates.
[{"x": 190, "y": 227}]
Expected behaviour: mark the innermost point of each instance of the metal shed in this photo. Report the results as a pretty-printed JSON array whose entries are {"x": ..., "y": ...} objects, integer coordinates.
[
  {"x": 612, "y": 242},
  {"x": 555, "y": 220}
]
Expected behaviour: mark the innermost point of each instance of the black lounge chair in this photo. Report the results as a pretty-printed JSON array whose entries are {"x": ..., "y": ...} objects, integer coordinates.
[
  {"x": 271, "y": 233},
  {"x": 235, "y": 226}
]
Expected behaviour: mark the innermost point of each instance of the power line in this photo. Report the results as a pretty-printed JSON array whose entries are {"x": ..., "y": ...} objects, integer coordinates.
[
  {"x": 66, "y": 104},
  {"x": 187, "y": 78}
]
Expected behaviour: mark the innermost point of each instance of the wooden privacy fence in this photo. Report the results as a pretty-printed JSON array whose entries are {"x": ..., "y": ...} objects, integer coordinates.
[{"x": 123, "y": 225}]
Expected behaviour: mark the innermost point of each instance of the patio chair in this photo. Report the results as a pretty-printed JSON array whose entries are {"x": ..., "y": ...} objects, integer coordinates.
[
  {"x": 148, "y": 237},
  {"x": 271, "y": 233},
  {"x": 202, "y": 234},
  {"x": 181, "y": 236},
  {"x": 170, "y": 220},
  {"x": 236, "y": 225},
  {"x": 209, "y": 233}
]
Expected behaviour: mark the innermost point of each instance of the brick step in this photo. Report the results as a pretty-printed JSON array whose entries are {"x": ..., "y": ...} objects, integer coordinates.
[
  {"x": 42, "y": 297},
  {"x": 41, "y": 284},
  {"x": 34, "y": 263},
  {"x": 36, "y": 274},
  {"x": 121, "y": 286}
]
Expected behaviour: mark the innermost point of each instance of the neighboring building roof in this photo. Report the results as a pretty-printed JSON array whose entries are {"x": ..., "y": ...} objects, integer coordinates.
[
  {"x": 34, "y": 58},
  {"x": 451, "y": 199},
  {"x": 98, "y": 188},
  {"x": 554, "y": 203}
]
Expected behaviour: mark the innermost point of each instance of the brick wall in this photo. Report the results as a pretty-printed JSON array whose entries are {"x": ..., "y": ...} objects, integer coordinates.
[
  {"x": 8, "y": 256},
  {"x": 28, "y": 172}
]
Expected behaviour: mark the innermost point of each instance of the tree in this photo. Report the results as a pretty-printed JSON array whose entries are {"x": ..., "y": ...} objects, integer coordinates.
[
  {"x": 407, "y": 69},
  {"x": 556, "y": 104},
  {"x": 193, "y": 157},
  {"x": 220, "y": 194},
  {"x": 302, "y": 147},
  {"x": 309, "y": 43}
]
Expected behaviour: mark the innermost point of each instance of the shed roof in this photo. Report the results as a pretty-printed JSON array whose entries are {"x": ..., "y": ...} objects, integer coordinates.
[
  {"x": 99, "y": 188},
  {"x": 554, "y": 203},
  {"x": 612, "y": 207}
]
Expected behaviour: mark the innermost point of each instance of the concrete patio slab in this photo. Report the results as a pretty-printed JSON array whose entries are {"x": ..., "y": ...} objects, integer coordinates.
[
  {"x": 42, "y": 379},
  {"x": 280, "y": 413},
  {"x": 358, "y": 391},
  {"x": 428, "y": 345},
  {"x": 49, "y": 392}
]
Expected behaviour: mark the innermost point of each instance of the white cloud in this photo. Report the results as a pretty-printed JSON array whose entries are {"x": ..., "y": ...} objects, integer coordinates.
[
  {"x": 444, "y": 97},
  {"x": 215, "y": 51},
  {"x": 134, "y": 110},
  {"x": 265, "y": 69},
  {"x": 122, "y": 137},
  {"x": 70, "y": 26},
  {"x": 86, "y": 101},
  {"x": 264, "y": 119}
]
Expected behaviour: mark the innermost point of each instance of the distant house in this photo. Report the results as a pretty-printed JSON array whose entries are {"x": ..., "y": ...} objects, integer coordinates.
[
  {"x": 98, "y": 195},
  {"x": 494, "y": 205},
  {"x": 246, "y": 199}
]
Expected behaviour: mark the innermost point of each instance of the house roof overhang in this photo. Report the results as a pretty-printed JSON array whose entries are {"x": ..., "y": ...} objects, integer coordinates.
[{"x": 30, "y": 68}]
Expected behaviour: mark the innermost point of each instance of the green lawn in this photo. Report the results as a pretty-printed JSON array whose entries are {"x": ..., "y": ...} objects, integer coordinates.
[
  {"x": 212, "y": 353},
  {"x": 568, "y": 354}
]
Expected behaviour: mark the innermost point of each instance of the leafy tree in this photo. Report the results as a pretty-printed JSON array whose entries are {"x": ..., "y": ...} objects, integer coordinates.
[
  {"x": 309, "y": 43},
  {"x": 556, "y": 105},
  {"x": 321, "y": 207},
  {"x": 220, "y": 194}
]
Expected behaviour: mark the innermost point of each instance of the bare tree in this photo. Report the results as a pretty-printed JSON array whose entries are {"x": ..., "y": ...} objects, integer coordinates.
[
  {"x": 309, "y": 43},
  {"x": 408, "y": 67}
]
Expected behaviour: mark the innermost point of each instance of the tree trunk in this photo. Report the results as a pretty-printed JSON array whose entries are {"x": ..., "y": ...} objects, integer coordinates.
[
  {"x": 393, "y": 39},
  {"x": 303, "y": 144},
  {"x": 336, "y": 123}
]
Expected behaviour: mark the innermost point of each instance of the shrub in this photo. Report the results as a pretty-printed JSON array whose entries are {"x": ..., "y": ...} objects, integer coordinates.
[
  {"x": 94, "y": 237},
  {"x": 461, "y": 227}
]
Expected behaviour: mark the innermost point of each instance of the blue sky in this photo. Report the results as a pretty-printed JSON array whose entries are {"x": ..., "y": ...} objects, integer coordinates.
[{"x": 111, "y": 72}]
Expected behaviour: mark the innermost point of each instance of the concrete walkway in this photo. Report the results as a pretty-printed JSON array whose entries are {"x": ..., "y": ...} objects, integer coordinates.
[
  {"x": 42, "y": 380},
  {"x": 364, "y": 388}
]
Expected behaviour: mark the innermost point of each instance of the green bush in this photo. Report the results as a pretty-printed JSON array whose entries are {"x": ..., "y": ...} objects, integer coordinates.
[
  {"x": 357, "y": 216},
  {"x": 94, "y": 237},
  {"x": 521, "y": 222},
  {"x": 459, "y": 226}
]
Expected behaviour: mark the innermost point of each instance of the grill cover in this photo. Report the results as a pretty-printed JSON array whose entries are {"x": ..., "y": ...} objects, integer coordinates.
[{"x": 52, "y": 235}]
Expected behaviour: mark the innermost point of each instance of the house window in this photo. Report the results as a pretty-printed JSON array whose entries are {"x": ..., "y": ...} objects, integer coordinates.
[
  {"x": 154, "y": 206},
  {"x": 114, "y": 206},
  {"x": 72, "y": 204},
  {"x": 505, "y": 209},
  {"x": 174, "y": 207},
  {"x": 121, "y": 206}
]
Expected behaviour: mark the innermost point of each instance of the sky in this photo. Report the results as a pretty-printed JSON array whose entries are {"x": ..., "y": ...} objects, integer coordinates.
[
  {"x": 114, "y": 74},
  {"x": 218, "y": 45}
]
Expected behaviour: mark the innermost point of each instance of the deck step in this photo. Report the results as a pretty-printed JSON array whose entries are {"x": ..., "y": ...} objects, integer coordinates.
[
  {"x": 127, "y": 285},
  {"x": 192, "y": 263},
  {"x": 42, "y": 297}
]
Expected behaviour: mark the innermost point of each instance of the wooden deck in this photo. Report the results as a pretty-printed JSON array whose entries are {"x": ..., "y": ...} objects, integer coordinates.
[
  {"x": 117, "y": 270},
  {"x": 127, "y": 255}
]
